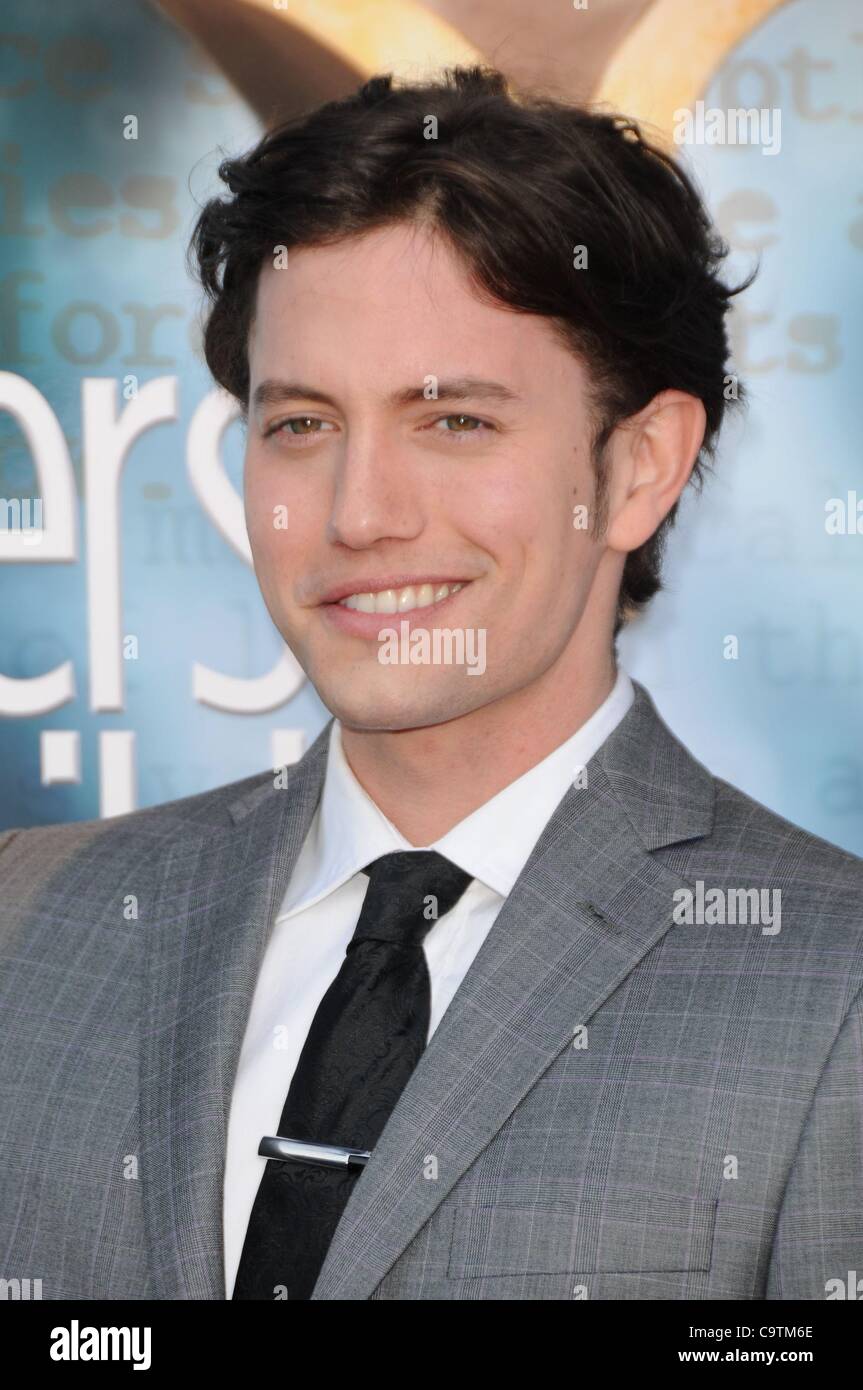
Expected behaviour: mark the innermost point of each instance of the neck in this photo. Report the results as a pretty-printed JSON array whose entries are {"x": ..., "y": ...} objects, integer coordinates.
[{"x": 426, "y": 780}]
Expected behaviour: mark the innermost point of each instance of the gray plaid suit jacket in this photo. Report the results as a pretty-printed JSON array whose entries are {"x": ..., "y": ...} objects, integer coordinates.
[{"x": 702, "y": 1139}]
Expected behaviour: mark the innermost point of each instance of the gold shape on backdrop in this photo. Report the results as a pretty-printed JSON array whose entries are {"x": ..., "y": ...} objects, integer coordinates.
[
  {"x": 669, "y": 56},
  {"x": 285, "y": 58}
]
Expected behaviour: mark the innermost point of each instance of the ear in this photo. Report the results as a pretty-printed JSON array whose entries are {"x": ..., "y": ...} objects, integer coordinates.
[{"x": 651, "y": 459}]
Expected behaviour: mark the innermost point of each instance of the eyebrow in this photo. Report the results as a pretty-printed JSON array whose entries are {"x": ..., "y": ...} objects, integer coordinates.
[{"x": 275, "y": 392}]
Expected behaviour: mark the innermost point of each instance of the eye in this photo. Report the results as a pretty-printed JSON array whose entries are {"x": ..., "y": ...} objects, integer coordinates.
[
  {"x": 306, "y": 423},
  {"x": 466, "y": 424}
]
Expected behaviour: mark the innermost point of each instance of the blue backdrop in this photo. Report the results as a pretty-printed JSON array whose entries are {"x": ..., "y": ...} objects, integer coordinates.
[{"x": 754, "y": 653}]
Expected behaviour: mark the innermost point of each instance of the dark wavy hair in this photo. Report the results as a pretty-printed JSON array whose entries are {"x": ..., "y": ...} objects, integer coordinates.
[{"x": 514, "y": 182}]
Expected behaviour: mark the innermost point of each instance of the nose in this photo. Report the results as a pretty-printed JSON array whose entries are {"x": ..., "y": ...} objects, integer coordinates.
[{"x": 377, "y": 495}]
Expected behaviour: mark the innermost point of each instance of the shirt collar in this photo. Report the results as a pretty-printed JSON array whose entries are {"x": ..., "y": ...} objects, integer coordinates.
[{"x": 491, "y": 844}]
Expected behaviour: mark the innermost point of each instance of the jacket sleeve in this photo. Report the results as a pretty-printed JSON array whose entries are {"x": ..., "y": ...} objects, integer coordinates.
[{"x": 817, "y": 1250}]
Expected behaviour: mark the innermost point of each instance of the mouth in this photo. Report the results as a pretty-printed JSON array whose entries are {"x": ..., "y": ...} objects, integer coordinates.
[{"x": 368, "y": 612}]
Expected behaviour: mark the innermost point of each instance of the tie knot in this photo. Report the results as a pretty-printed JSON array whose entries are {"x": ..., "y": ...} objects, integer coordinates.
[{"x": 408, "y": 891}]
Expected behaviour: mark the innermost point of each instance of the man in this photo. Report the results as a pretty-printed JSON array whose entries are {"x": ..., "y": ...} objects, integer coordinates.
[{"x": 497, "y": 993}]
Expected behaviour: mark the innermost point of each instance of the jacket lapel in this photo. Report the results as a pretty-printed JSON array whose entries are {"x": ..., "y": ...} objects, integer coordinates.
[
  {"x": 589, "y": 904},
  {"x": 207, "y": 898}
]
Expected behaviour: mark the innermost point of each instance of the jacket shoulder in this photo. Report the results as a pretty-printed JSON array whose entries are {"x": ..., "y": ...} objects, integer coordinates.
[
  {"x": 758, "y": 832},
  {"x": 814, "y": 888},
  {"x": 202, "y": 810}
]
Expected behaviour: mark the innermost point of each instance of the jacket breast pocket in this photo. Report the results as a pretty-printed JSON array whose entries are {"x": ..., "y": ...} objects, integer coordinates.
[{"x": 629, "y": 1233}]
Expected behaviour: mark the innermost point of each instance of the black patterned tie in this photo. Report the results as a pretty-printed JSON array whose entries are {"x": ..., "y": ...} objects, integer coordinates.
[{"x": 368, "y": 1034}]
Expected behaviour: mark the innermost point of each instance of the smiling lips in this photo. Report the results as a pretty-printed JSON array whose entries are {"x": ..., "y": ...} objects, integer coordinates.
[{"x": 399, "y": 600}]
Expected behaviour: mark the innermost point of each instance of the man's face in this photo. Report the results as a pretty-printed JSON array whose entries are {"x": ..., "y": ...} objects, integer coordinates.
[{"x": 387, "y": 494}]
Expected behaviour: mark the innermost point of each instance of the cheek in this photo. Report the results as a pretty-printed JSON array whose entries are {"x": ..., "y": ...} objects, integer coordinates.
[
  {"x": 274, "y": 512},
  {"x": 501, "y": 501},
  {"x": 525, "y": 521},
  {"x": 256, "y": 501}
]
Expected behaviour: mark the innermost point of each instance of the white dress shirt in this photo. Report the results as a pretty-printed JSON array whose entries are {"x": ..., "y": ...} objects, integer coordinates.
[{"x": 320, "y": 910}]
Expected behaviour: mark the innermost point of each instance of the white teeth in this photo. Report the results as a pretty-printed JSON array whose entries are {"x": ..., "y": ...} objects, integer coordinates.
[
  {"x": 385, "y": 601},
  {"x": 407, "y": 598},
  {"x": 400, "y": 600}
]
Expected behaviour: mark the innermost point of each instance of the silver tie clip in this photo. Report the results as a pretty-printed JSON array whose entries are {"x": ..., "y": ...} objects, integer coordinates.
[{"x": 327, "y": 1155}]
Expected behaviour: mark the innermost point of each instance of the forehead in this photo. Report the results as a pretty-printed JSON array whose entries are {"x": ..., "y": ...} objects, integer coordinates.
[{"x": 397, "y": 300}]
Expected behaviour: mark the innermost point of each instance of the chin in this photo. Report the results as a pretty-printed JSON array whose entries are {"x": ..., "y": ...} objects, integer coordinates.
[{"x": 392, "y": 711}]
